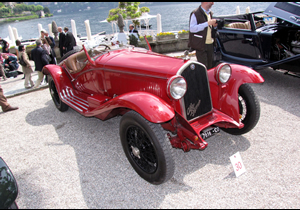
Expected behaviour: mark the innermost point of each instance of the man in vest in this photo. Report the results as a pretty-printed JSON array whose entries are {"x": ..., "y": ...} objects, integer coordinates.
[{"x": 200, "y": 36}]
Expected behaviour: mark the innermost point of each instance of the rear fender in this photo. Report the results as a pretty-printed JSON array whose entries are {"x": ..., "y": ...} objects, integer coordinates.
[
  {"x": 151, "y": 107},
  {"x": 225, "y": 96}
]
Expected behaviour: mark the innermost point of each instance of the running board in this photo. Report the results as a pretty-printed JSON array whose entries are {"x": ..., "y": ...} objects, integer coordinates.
[{"x": 83, "y": 106}]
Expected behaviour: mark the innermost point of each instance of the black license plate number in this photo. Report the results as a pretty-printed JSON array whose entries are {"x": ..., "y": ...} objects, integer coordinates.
[{"x": 210, "y": 132}]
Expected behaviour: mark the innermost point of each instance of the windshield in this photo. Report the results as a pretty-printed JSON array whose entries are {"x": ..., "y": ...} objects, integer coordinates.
[
  {"x": 287, "y": 11},
  {"x": 97, "y": 51}
]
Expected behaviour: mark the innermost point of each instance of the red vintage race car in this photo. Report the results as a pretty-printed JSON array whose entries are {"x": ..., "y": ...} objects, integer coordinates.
[{"x": 164, "y": 101}]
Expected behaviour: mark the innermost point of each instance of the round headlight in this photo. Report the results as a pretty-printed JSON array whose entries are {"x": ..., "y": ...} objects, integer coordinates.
[
  {"x": 223, "y": 73},
  {"x": 176, "y": 87}
]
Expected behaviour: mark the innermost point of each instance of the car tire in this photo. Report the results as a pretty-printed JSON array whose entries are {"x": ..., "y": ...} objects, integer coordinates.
[
  {"x": 68, "y": 54},
  {"x": 61, "y": 106},
  {"x": 13, "y": 206},
  {"x": 147, "y": 148},
  {"x": 249, "y": 110}
]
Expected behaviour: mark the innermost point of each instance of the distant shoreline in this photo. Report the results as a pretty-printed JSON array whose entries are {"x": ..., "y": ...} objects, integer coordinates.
[{"x": 28, "y": 17}]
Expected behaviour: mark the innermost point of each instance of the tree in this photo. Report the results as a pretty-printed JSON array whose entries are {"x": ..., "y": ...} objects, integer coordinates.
[
  {"x": 46, "y": 10},
  {"x": 128, "y": 10},
  {"x": 30, "y": 7},
  {"x": 38, "y": 8},
  {"x": 4, "y": 11},
  {"x": 18, "y": 8}
]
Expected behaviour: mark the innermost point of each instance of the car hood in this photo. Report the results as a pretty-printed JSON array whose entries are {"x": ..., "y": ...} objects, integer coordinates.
[
  {"x": 288, "y": 11},
  {"x": 141, "y": 62}
]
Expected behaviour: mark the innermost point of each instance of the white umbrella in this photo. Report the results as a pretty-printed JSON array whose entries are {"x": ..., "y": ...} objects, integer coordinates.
[
  {"x": 146, "y": 17},
  {"x": 112, "y": 24}
]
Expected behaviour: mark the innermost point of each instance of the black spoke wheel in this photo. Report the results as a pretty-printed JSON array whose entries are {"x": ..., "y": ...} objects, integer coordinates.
[
  {"x": 147, "y": 148},
  {"x": 61, "y": 106},
  {"x": 249, "y": 110}
]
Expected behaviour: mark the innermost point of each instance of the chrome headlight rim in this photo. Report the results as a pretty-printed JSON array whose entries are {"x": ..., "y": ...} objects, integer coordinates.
[
  {"x": 176, "y": 87},
  {"x": 223, "y": 73}
]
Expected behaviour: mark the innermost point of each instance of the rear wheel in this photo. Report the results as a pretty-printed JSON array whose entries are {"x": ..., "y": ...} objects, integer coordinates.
[
  {"x": 61, "y": 106},
  {"x": 249, "y": 110},
  {"x": 147, "y": 148}
]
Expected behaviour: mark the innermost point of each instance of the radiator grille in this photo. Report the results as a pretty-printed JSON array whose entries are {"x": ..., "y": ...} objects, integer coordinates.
[{"x": 197, "y": 100}]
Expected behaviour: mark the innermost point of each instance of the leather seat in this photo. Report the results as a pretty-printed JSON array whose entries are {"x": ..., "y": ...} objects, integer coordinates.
[
  {"x": 240, "y": 25},
  {"x": 76, "y": 62}
]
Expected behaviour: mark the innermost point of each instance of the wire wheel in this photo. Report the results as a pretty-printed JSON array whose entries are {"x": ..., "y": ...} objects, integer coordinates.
[
  {"x": 147, "y": 148},
  {"x": 141, "y": 150}
]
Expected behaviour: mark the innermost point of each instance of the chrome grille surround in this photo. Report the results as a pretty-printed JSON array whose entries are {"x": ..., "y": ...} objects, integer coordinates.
[{"x": 197, "y": 100}]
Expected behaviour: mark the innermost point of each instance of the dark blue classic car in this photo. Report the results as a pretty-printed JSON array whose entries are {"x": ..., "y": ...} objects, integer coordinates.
[
  {"x": 261, "y": 39},
  {"x": 8, "y": 187}
]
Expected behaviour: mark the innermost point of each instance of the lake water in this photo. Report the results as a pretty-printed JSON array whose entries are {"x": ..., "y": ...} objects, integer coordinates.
[{"x": 174, "y": 17}]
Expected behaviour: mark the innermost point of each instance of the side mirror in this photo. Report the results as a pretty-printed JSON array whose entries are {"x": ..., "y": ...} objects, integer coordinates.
[{"x": 8, "y": 186}]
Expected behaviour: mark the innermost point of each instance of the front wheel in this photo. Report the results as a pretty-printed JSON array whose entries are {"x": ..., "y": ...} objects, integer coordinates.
[
  {"x": 61, "y": 106},
  {"x": 249, "y": 110},
  {"x": 13, "y": 206},
  {"x": 147, "y": 148}
]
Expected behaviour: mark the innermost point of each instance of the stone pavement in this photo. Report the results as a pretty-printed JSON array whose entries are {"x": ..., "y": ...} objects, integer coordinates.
[{"x": 15, "y": 86}]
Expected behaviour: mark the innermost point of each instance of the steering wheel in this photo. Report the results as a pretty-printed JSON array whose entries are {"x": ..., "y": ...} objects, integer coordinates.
[
  {"x": 260, "y": 23},
  {"x": 106, "y": 46}
]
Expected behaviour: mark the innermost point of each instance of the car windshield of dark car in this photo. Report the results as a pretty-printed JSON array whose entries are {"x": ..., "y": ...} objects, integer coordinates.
[
  {"x": 243, "y": 22},
  {"x": 291, "y": 7},
  {"x": 237, "y": 22}
]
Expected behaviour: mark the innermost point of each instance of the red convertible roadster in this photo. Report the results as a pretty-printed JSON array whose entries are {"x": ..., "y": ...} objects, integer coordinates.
[{"x": 164, "y": 101}]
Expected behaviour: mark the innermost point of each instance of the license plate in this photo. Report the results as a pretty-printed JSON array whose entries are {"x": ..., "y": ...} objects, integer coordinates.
[{"x": 210, "y": 132}]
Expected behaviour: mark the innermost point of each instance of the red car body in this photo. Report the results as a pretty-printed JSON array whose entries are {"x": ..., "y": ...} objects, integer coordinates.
[{"x": 115, "y": 82}]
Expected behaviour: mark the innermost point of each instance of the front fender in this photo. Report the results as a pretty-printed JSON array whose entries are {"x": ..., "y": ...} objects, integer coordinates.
[
  {"x": 60, "y": 77},
  {"x": 225, "y": 96},
  {"x": 151, "y": 107}
]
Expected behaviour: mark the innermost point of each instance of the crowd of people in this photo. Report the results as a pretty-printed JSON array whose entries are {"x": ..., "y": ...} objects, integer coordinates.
[{"x": 43, "y": 54}]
